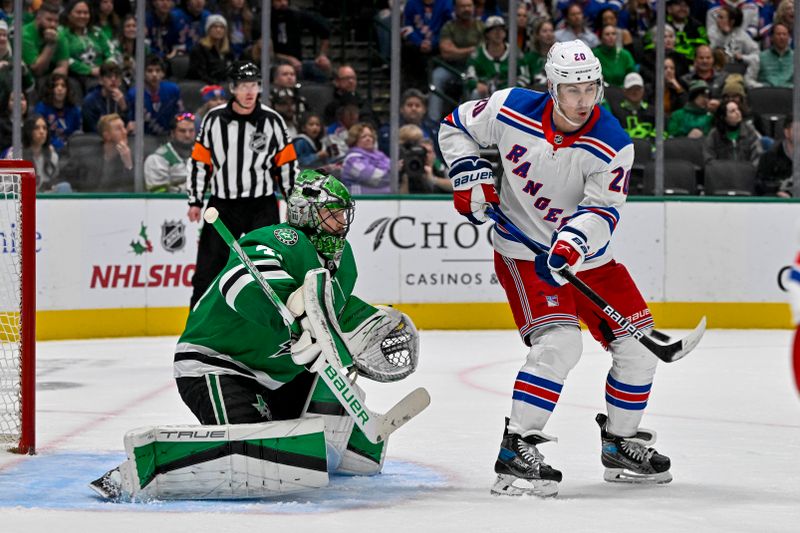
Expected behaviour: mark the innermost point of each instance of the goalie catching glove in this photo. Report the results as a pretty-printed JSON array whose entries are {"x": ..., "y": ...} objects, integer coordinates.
[
  {"x": 568, "y": 250},
  {"x": 473, "y": 188}
]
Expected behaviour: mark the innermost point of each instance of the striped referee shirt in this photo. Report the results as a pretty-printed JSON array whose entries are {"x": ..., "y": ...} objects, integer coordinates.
[{"x": 240, "y": 156}]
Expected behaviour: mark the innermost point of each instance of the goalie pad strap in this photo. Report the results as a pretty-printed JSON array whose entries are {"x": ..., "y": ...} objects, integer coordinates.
[{"x": 224, "y": 462}]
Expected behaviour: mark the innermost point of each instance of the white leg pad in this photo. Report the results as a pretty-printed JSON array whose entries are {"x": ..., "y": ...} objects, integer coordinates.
[
  {"x": 224, "y": 462},
  {"x": 633, "y": 364}
]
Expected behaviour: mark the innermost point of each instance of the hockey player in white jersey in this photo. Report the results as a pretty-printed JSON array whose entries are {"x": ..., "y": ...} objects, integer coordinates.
[{"x": 566, "y": 165}]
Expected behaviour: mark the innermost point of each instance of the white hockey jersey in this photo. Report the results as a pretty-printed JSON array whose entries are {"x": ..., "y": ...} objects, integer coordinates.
[{"x": 551, "y": 178}]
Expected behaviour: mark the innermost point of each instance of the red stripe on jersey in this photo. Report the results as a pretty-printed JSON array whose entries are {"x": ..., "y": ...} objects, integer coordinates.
[
  {"x": 603, "y": 147},
  {"x": 627, "y": 396},
  {"x": 536, "y": 391}
]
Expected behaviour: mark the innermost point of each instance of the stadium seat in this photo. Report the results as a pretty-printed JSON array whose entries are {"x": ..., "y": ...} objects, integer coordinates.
[
  {"x": 178, "y": 67},
  {"x": 642, "y": 154},
  {"x": 317, "y": 95},
  {"x": 770, "y": 100},
  {"x": 730, "y": 178},
  {"x": 614, "y": 96},
  {"x": 190, "y": 94},
  {"x": 679, "y": 178}
]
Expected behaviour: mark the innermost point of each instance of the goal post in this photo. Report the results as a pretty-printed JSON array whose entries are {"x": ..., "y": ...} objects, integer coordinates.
[{"x": 18, "y": 306}]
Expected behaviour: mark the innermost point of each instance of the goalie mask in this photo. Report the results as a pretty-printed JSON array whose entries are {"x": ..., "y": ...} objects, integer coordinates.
[{"x": 322, "y": 206}]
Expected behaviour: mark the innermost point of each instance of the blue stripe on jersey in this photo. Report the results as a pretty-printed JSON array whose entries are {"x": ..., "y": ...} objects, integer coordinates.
[
  {"x": 609, "y": 214},
  {"x": 540, "y": 382},
  {"x": 530, "y": 131},
  {"x": 624, "y": 387},
  {"x": 527, "y": 102},
  {"x": 592, "y": 150},
  {"x": 459, "y": 125},
  {"x": 608, "y": 130}
]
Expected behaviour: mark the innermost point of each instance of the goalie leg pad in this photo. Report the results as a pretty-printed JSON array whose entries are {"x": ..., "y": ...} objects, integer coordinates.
[
  {"x": 338, "y": 424},
  {"x": 361, "y": 457},
  {"x": 224, "y": 462}
]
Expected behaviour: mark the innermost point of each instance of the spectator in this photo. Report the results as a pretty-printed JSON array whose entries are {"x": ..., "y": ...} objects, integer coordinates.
[
  {"x": 705, "y": 70},
  {"x": 522, "y": 20},
  {"x": 211, "y": 58},
  {"x": 337, "y": 133},
  {"x": 7, "y": 99},
  {"x": 240, "y": 25},
  {"x": 692, "y": 120},
  {"x": 86, "y": 45},
  {"x": 284, "y": 103},
  {"x": 487, "y": 69},
  {"x": 190, "y": 19},
  {"x": 733, "y": 90},
  {"x": 108, "y": 167},
  {"x": 213, "y": 96},
  {"x": 105, "y": 18},
  {"x": 543, "y": 39},
  {"x": 287, "y": 31},
  {"x": 777, "y": 63},
  {"x": 345, "y": 83},
  {"x": 615, "y": 62},
  {"x": 774, "y": 173},
  {"x": 784, "y": 14},
  {"x": 365, "y": 169},
  {"x": 105, "y": 99},
  {"x": 732, "y": 38},
  {"x": 647, "y": 67},
  {"x": 58, "y": 107},
  {"x": 633, "y": 112},
  {"x": 638, "y": 16},
  {"x": 675, "y": 95},
  {"x": 126, "y": 49},
  {"x": 487, "y": 8},
  {"x": 163, "y": 29},
  {"x": 458, "y": 40},
  {"x": 413, "y": 110},
  {"x": 420, "y": 171},
  {"x": 42, "y": 51},
  {"x": 749, "y": 15},
  {"x": 284, "y": 77},
  {"x": 37, "y": 149},
  {"x": 423, "y": 21},
  {"x": 689, "y": 32},
  {"x": 608, "y": 17},
  {"x": 732, "y": 138},
  {"x": 575, "y": 27},
  {"x": 162, "y": 99},
  {"x": 7, "y": 61},
  {"x": 540, "y": 10},
  {"x": 308, "y": 145},
  {"x": 166, "y": 169}
]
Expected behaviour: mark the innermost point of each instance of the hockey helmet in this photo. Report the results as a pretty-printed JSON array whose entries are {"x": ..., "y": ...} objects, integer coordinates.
[
  {"x": 322, "y": 206},
  {"x": 245, "y": 71},
  {"x": 572, "y": 62}
]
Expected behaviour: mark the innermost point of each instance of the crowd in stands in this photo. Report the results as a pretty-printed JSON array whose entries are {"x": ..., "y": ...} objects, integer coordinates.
[{"x": 723, "y": 57}]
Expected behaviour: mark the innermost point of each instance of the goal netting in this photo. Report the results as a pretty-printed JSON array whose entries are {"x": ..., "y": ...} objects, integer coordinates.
[{"x": 17, "y": 305}]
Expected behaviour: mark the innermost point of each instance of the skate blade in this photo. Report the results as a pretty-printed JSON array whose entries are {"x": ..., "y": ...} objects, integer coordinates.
[
  {"x": 621, "y": 475},
  {"x": 506, "y": 485}
]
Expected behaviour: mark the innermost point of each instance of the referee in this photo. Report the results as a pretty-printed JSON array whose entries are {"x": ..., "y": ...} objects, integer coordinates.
[{"x": 241, "y": 151}]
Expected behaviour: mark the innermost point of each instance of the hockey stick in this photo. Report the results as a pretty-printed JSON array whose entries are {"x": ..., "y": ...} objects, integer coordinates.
[
  {"x": 375, "y": 426},
  {"x": 658, "y": 343}
]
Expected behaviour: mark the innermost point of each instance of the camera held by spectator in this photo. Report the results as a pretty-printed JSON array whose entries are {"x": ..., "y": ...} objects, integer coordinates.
[{"x": 413, "y": 157}]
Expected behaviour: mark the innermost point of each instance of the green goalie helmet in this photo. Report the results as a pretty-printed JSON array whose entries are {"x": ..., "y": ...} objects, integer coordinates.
[{"x": 322, "y": 206}]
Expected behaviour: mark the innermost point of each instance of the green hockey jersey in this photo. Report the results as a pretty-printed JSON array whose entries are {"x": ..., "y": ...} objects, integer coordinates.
[{"x": 234, "y": 329}]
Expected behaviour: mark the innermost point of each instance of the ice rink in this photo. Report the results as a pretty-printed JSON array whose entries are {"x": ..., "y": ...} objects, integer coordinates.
[{"x": 728, "y": 415}]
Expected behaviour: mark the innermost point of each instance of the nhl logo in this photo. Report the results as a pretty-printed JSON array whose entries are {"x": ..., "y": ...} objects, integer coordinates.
[
  {"x": 173, "y": 235},
  {"x": 258, "y": 141},
  {"x": 558, "y": 139}
]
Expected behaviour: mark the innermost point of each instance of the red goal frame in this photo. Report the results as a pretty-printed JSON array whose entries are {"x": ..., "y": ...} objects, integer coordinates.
[{"x": 27, "y": 229}]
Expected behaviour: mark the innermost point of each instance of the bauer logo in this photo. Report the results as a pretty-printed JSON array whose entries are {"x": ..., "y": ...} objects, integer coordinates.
[
  {"x": 173, "y": 235},
  {"x": 406, "y": 232}
]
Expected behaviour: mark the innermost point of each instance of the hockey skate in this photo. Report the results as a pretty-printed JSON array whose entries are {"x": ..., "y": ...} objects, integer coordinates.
[
  {"x": 109, "y": 485},
  {"x": 521, "y": 469},
  {"x": 630, "y": 459}
]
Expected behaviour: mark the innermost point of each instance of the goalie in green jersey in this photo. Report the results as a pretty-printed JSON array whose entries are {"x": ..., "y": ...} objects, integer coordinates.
[{"x": 269, "y": 425}]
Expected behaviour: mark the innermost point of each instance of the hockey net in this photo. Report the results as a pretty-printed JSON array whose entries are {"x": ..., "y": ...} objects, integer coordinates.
[{"x": 17, "y": 305}]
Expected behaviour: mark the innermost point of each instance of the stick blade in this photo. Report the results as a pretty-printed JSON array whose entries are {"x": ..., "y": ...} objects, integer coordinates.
[
  {"x": 688, "y": 343},
  {"x": 413, "y": 404}
]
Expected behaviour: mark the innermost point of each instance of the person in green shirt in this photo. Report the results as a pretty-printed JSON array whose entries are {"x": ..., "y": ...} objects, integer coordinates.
[
  {"x": 615, "y": 62},
  {"x": 87, "y": 47},
  {"x": 777, "y": 63},
  {"x": 487, "y": 69},
  {"x": 42, "y": 51},
  {"x": 692, "y": 120}
]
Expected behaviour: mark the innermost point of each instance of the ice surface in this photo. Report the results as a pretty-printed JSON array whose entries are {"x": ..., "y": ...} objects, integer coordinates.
[{"x": 728, "y": 415}]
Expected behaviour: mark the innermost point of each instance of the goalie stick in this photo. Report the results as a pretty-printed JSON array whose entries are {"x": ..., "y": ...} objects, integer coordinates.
[
  {"x": 658, "y": 343},
  {"x": 375, "y": 426}
]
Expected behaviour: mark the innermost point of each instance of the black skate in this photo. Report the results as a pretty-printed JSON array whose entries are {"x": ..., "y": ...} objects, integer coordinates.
[
  {"x": 630, "y": 459},
  {"x": 521, "y": 469},
  {"x": 109, "y": 485}
]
